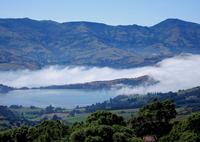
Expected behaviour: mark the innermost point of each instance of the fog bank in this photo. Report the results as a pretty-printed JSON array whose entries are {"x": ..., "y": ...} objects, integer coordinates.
[{"x": 180, "y": 72}]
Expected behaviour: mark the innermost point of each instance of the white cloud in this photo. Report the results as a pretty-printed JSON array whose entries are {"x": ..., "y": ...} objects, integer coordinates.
[{"x": 175, "y": 73}]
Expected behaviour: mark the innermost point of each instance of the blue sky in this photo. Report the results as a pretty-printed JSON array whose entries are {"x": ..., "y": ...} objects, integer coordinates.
[{"x": 113, "y": 12}]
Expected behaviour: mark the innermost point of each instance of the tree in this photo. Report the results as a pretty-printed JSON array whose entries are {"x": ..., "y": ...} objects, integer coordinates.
[
  {"x": 103, "y": 126},
  {"x": 77, "y": 136},
  {"x": 21, "y": 134},
  {"x": 94, "y": 139},
  {"x": 185, "y": 131},
  {"x": 189, "y": 137},
  {"x": 105, "y": 118},
  {"x": 194, "y": 123},
  {"x": 101, "y": 132},
  {"x": 49, "y": 109},
  {"x": 55, "y": 130},
  {"x": 154, "y": 118}
]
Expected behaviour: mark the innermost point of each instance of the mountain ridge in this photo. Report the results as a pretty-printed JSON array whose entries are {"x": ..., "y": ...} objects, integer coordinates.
[
  {"x": 107, "y": 84},
  {"x": 93, "y": 85},
  {"x": 32, "y": 44}
]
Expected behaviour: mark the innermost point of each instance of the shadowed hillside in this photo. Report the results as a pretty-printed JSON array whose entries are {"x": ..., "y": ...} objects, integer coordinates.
[{"x": 26, "y": 43}]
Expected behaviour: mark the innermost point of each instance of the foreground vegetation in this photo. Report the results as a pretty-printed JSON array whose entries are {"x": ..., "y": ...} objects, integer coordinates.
[{"x": 155, "y": 119}]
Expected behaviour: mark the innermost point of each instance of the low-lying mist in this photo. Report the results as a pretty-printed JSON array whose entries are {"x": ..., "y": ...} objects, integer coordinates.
[{"x": 180, "y": 72}]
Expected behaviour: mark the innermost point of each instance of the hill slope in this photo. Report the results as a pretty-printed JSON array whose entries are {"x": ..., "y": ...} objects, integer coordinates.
[
  {"x": 117, "y": 83},
  {"x": 27, "y": 43},
  {"x": 188, "y": 99}
]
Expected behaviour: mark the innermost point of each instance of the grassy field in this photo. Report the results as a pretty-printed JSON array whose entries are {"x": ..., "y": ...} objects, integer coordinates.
[{"x": 38, "y": 114}]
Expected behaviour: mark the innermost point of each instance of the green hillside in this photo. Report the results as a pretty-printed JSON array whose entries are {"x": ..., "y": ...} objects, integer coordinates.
[{"x": 27, "y": 43}]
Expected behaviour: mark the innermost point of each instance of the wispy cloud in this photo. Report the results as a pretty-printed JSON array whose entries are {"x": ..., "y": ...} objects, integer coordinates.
[{"x": 175, "y": 73}]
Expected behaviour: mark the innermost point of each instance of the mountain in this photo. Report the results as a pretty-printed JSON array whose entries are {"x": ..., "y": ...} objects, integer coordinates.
[
  {"x": 117, "y": 83},
  {"x": 32, "y": 44}
]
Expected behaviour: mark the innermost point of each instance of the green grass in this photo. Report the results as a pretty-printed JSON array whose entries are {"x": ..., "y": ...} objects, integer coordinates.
[
  {"x": 28, "y": 113},
  {"x": 77, "y": 118},
  {"x": 126, "y": 113}
]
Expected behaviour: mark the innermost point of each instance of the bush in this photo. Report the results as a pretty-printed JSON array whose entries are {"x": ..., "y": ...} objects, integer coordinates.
[
  {"x": 189, "y": 137},
  {"x": 105, "y": 118},
  {"x": 185, "y": 131}
]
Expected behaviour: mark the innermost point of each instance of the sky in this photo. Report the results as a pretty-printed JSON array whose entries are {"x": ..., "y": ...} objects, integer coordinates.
[{"x": 112, "y": 12}]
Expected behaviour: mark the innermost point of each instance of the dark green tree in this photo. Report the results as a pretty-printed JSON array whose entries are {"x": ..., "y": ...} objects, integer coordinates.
[
  {"x": 103, "y": 126},
  {"x": 105, "y": 118},
  {"x": 154, "y": 118},
  {"x": 185, "y": 131},
  {"x": 48, "y": 131}
]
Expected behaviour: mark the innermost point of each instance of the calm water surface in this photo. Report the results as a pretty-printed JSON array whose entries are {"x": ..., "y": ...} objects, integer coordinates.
[{"x": 60, "y": 98}]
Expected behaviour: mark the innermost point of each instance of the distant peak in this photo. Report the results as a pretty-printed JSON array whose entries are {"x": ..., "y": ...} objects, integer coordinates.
[
  {"x": 173, "y": 22},
  {"x": 86, "y": 23}
]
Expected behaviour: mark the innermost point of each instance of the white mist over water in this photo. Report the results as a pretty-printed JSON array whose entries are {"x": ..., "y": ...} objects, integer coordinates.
[{"x": 180, "y": 72}]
